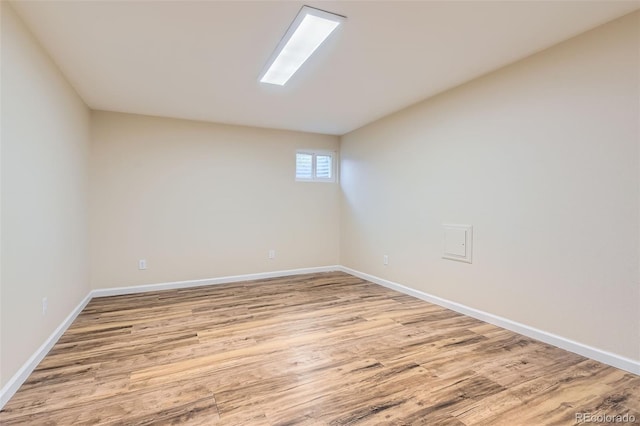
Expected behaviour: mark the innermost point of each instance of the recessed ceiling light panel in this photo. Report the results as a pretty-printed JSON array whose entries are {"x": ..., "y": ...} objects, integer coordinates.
[{"x": 307, "y": 32}]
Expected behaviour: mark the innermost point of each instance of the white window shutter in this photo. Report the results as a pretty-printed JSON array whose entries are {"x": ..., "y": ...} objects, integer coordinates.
[
  {"x": 304, "y": 166},
  {"x": 323, "y": 166},
  {"x": 315, "y": 166}
]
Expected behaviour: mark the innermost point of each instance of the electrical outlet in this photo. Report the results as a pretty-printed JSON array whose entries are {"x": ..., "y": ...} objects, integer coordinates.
[
  {"x": 142, "y": 264},
  {"x": 45, "y": 305},
  {"x": 272, "y": 254},
  {"x": 385, "y": 260}
]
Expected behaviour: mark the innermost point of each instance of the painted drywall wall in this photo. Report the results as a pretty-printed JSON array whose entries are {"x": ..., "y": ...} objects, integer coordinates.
[
  {"x": 542, "y": 158},
  {"x": 200, "y": 200},
  {"x": 44, "y": 230}
]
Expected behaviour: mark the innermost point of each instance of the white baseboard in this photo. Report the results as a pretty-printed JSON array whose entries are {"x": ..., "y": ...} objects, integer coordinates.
[
  {"x": 14, "y": 383},
  {"x": 117, "y": 291},
  {"x": 603, "y": 356}
]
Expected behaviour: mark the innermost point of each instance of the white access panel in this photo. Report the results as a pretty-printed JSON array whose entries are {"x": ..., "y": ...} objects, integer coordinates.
[{"x": 458, "y": 241}]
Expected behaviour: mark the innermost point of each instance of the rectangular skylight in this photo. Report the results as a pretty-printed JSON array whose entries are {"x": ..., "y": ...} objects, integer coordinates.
[{"x": 307, "y": 32}]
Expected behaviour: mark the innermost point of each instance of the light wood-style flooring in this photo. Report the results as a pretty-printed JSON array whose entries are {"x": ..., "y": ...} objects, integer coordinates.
[{"x": 319, "y": 349}]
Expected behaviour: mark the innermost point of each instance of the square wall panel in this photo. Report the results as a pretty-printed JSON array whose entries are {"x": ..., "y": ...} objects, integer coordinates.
[{"x": 458, "y": 241}]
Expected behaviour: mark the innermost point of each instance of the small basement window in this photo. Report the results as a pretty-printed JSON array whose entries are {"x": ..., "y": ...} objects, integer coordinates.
[{"x": 315, "y": 166}]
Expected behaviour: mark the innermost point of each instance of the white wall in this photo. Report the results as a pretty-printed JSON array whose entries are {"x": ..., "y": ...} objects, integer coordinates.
[
  {"x": 45, "y": 146},
  {"x": 542, "y": 158},
  {"x": 201, "y": 200}
]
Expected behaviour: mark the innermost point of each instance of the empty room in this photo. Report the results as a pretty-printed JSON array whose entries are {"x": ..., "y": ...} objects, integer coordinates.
[{"x": 320, "y": 213}]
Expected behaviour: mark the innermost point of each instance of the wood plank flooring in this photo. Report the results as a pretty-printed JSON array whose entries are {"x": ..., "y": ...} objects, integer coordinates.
[{"x": 319, "y": 349}]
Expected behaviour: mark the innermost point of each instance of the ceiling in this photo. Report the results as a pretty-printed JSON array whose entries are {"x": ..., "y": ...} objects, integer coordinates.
[{"x": 200, "y": 60}]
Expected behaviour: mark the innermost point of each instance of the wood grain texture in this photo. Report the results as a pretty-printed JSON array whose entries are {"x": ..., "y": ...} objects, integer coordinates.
[{"x": 318, "y": 349}]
